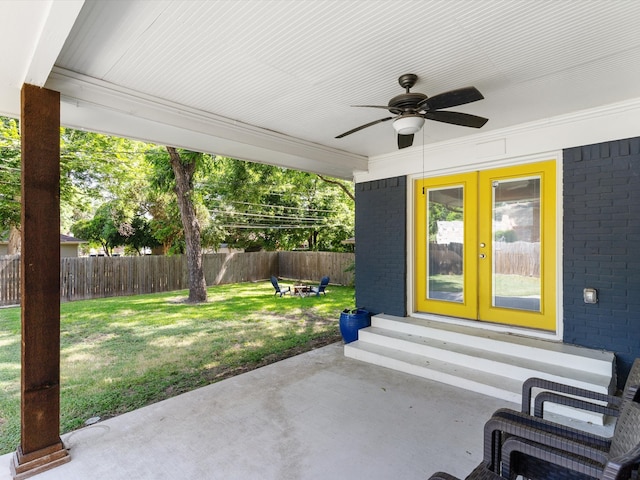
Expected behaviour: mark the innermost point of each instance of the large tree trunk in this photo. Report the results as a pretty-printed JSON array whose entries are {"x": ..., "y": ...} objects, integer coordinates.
[
  {"x": 184, "y": 188},
  {"x": 15, "y": 241}
]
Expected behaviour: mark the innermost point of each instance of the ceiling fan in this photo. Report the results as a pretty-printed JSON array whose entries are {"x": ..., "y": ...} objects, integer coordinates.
[{"x": 411, "y": 109}]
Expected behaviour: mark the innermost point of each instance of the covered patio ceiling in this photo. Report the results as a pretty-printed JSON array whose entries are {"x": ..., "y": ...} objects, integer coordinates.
[{"x": 273, "y": 81}]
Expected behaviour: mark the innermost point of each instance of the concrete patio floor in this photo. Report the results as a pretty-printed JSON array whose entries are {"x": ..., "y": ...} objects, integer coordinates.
[{"x": 318, "y": 415}]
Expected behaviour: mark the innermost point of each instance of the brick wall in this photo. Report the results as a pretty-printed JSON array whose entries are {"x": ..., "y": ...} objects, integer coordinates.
[
  {"x": 381, "y": 244},
  {"x": 602, "y": 248}
]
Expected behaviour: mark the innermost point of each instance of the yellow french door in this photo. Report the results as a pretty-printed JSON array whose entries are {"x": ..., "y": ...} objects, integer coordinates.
[
  {"x": 485, "y": 245},
  {"x": 446, "y": 246}
]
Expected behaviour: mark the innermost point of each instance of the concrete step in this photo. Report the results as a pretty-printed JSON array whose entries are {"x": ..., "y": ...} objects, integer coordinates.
[
  {"x": 494, "y": 360},
  {"x": 554, "y": 353},
  {"x": 492, "y": 363},
  {"x": 434, "y": 369}
]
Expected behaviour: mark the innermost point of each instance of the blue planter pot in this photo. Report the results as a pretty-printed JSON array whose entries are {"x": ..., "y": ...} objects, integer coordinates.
[{"x": 351, "y": 322}]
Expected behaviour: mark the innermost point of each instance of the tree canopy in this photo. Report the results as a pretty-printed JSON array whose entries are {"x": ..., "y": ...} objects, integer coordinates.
[
  {"x": 118, "y": 192},
  {"x": 9, "y": 175},
  {"x": 263, "y": 206}
]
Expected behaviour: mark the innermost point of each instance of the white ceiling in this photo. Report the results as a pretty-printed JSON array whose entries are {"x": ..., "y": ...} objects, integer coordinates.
[{"x": 275, "y": 79}]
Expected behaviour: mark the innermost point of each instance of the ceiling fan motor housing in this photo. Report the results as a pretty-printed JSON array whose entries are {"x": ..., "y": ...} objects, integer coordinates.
[{"x": 406, "y": 102}]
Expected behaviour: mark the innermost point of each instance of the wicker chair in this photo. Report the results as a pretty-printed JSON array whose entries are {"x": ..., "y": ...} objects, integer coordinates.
[
  {"x": 481, "y": 472},
  {"x": 511, "y": 442},
  {"x": 554, "y": 392},
  {"x": 515, "y": 420},
  {"x": 551, "y": 462},
  {"x": 623, "y": 467},
  {"x": 537, "y": 448}
]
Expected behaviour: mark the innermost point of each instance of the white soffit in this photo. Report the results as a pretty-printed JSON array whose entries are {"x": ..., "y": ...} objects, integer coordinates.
[{"x": 281, "y": 75}]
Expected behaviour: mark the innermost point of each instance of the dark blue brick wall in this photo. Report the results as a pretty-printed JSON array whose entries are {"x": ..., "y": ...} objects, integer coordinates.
[
  {"x": 381, "y": 245},
  {"x": 602, "y": 248}
]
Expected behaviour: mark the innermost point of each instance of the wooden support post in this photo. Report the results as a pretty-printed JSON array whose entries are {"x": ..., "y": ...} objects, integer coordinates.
[{"x": 40, "y": 448}]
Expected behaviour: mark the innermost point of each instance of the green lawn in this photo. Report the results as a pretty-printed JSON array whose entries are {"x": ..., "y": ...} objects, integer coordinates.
[{"x": 119, "y": 354}]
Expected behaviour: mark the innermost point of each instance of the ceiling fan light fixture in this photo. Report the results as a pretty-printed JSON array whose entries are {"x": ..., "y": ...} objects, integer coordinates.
[{"x": 408, "y": 125}]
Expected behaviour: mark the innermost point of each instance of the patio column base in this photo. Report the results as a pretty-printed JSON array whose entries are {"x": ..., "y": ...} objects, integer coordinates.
[{"x": 25, "y": 466}]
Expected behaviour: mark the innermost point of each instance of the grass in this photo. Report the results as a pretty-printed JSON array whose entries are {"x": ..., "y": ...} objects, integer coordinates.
[{"x": 119, "y": 354}]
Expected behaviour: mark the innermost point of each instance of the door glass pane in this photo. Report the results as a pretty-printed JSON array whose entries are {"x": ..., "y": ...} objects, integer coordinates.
[
  {"x": 516, "y": 244},
  {"x": 445, "y": 218}
]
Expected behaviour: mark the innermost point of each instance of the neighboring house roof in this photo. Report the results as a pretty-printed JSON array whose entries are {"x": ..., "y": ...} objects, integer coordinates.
[{"x": 70, "y": 239}]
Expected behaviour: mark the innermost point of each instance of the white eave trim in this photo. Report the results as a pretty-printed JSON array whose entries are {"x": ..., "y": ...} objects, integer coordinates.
[{"x": 193, "y": 129}]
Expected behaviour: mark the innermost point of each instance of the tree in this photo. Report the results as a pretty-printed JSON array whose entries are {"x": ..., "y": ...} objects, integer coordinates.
[
  {"x": 10, "y": 183},
  {"x": 103, "y": 229},
  {"x": 111, "y": 228},
  {"x": 184, "y": 168},
  {"x": 248, "y": 205},
  {"x": 141, "y": 236},
  {"x": 165, "y": 224},
  {"x": 96, "y": 169},
  {"x": 268, "y": 207},
  {"x": 93, "y": 168},
  {"x": 178, "y": 173}
]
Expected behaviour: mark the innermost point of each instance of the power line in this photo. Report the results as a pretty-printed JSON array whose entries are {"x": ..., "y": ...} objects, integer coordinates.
[
  {"x": 262, "y": 215},
  {"x": 272, "y": 227},
  {"x": 273, "y": 206}
]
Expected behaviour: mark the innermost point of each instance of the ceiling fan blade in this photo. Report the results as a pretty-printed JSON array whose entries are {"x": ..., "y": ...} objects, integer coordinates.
[
  {"x": 405, "y": 141},
  {"x": 457, "y": 118},
  {"x": 363, "y": 126},
  {"x": 391, "y": 109},
  {"x": 452, "y": 98}
]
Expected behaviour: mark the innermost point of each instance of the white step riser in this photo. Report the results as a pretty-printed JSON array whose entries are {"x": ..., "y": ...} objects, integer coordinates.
[
  {"x": 424, "y": 371},
  {"x": 457, "y": 358},
  {"x": 489, "y": 344},
  {"x": 430, "y": 374}
]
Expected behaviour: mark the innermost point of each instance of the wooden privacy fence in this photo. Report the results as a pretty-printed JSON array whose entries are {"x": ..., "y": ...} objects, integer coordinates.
[
  {"x": 315, "y": 265},
  {"x": 9, "y": 280},
  {"x": 97, "y": 277}
]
